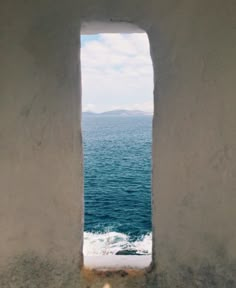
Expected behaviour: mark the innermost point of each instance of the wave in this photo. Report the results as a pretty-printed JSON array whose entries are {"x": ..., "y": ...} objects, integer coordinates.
[{"x": 115, "y": 243}]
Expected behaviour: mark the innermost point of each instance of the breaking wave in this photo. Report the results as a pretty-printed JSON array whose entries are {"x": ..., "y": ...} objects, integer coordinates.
[{"x": 114, "y": 243}]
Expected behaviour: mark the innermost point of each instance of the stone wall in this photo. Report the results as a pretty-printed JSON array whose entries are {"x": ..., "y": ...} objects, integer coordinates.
[{"x": 193, "y": 47}]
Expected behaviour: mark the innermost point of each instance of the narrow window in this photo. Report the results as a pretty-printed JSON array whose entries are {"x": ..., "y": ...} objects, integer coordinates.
[{"x": 117, "y": 97}]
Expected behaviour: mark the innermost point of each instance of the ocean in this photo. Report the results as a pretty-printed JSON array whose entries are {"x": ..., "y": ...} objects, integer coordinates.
[{"x": 117, "y": 185}]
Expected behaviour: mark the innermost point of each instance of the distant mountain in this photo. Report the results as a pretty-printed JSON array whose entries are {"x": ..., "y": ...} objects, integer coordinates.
[
  {"x": 89, "y": 113},
  {"x": 118, "y": 113}
]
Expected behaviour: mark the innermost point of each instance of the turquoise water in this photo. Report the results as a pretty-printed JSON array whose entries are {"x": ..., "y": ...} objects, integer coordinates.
[{"x": 117, "y": 174}]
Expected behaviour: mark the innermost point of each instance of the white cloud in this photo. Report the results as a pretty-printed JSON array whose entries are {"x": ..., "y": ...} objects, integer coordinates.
[
  {"x": 117, "y": 72},
  {"x": 89, "y": 107}
]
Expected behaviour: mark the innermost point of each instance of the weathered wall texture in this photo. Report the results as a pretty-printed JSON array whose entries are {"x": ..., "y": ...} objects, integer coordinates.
[{"x": 193, "y": 46}]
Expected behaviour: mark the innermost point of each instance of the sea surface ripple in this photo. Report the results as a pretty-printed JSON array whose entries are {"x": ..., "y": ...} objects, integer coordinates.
[{"x": 117, "y": 187}]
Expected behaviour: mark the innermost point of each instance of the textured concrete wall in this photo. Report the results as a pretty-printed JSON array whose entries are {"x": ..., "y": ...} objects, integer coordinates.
[
  {"x": 194, "y": 177},
  {"x": 40, "y": 146},
  {"x": 193, "y": 47}
]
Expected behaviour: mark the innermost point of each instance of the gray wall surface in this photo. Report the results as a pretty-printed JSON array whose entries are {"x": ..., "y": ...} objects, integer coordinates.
[{"x": 193, "y": 46}]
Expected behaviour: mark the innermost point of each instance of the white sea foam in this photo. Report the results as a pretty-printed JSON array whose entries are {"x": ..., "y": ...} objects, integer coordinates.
[{"x": 111, "y": 243}]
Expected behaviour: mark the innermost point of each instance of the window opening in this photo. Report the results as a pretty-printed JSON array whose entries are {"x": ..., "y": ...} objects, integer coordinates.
[{"x": 117, "y": 103}]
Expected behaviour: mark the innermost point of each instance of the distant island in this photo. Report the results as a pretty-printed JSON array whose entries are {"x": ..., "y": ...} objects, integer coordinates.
[{"x": 118, "y": 113}]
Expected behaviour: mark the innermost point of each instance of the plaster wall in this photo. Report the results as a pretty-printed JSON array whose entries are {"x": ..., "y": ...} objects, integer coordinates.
[{"x": 193, "y": 47}]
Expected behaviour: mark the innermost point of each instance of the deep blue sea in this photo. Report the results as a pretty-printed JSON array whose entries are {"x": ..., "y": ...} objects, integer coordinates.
[{"x": 117, "y": 174}]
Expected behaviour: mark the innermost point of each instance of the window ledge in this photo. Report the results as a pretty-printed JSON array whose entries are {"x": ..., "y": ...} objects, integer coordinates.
[{"x": 113, "y": 262}]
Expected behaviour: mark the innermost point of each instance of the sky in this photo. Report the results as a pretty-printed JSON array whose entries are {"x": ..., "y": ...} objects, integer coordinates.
[{"x": 117, "y": 72}]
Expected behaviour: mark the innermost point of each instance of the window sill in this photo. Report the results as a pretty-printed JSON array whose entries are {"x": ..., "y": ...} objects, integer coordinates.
[{"x": 115, "y": 262}]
